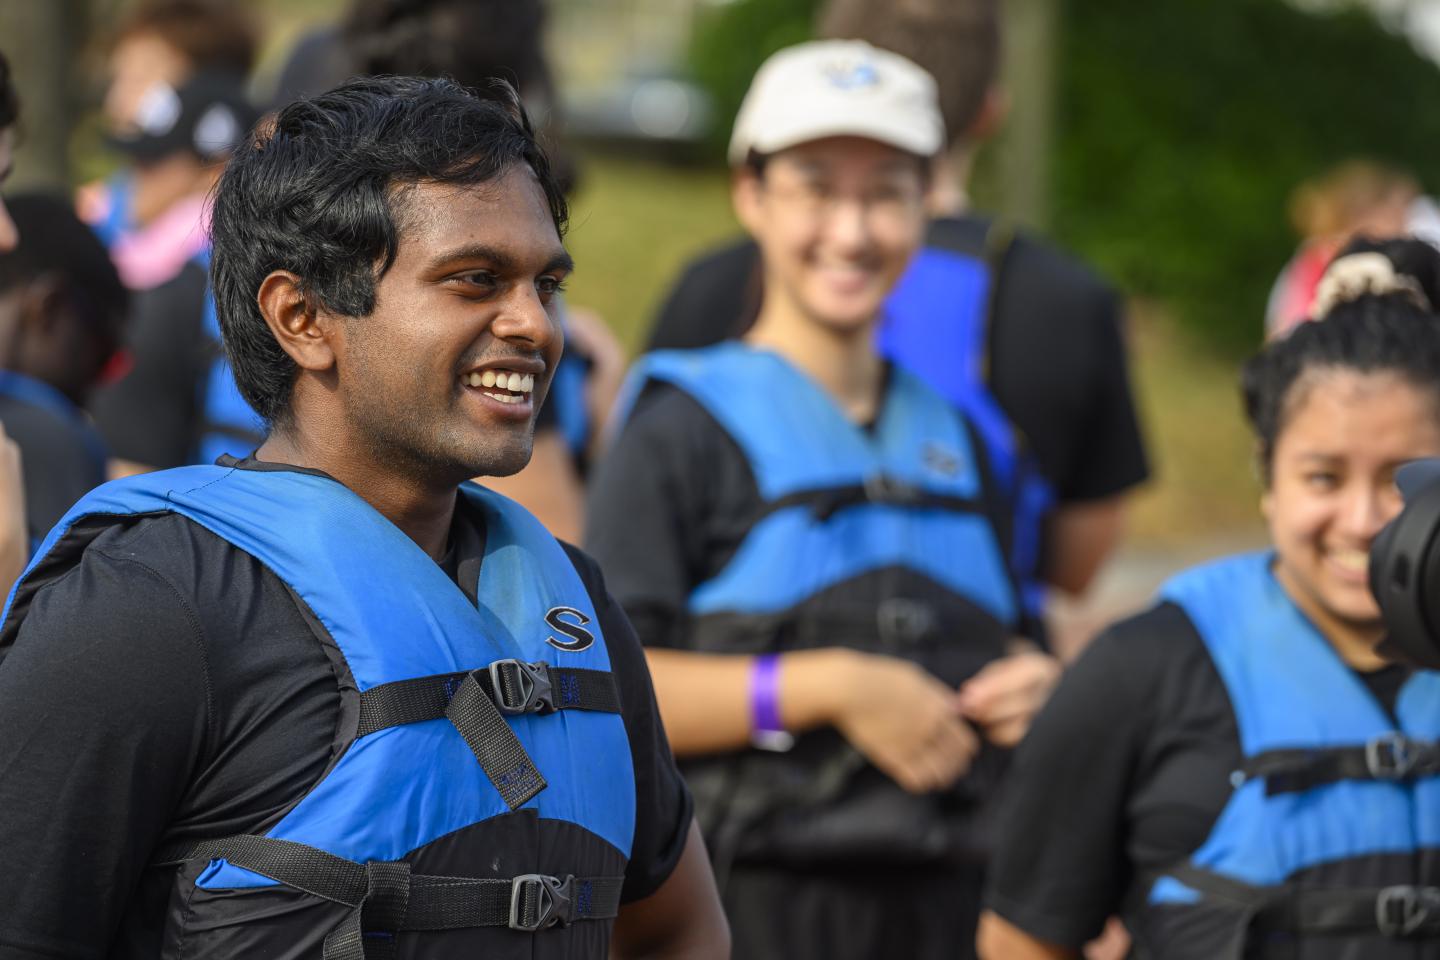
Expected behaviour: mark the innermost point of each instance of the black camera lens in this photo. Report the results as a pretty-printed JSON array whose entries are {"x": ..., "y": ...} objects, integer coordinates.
[{"x": 1405, "y": 569}]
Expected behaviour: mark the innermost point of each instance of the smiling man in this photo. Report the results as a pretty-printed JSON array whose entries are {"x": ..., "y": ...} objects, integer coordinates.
[{"x": 333, "y": 701}]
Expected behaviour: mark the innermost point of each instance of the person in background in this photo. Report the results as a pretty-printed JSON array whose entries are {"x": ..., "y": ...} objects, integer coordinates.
[
  {"x": 177, "y": 403},
  {"x": 1238, "y": 771},
  {"x": 14, "y": 539},
  {"x": 809, "y": 542},
  {"x": 474, "y": 42},
  {"x": 1024, "y": 337},
  {"x": 1355, "y": 199},
  {"x": 62, "y": 309},
  {"x": 157, "y": 47}
]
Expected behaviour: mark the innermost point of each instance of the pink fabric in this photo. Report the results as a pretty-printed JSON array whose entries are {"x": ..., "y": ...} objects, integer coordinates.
[{"x": 154, "y": 254}]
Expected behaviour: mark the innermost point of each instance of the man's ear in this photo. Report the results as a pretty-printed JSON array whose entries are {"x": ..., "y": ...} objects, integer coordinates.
[
  {"x": 745, "y": 189},
  {"x": 304, "y": 332}
]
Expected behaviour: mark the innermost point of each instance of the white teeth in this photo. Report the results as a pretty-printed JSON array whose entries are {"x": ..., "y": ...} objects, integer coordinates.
[
  {"x": 503, "y": 380},
  {"x": 504, "y": 397},
  {"x": 1351, "y": 559}
]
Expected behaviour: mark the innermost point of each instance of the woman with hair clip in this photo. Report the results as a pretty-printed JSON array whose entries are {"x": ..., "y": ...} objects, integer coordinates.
[{"x": 1237, "y": 772}]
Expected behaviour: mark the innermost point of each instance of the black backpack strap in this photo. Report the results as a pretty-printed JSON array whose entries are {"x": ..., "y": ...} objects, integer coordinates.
[
  {"x": 1390, "y": 756},
  {"x": 385, "y": 897},
  {"x": 1401, "y": 911}
]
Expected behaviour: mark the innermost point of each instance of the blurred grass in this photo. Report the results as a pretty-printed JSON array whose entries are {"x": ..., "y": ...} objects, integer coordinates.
[{"x": 634, "y": 224}]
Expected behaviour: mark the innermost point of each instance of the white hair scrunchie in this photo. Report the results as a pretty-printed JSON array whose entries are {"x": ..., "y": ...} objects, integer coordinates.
[{"x": 1358, "y": 274}]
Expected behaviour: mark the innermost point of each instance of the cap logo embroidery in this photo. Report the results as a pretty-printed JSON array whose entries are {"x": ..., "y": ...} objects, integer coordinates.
[{"x": 852, "y": 74}]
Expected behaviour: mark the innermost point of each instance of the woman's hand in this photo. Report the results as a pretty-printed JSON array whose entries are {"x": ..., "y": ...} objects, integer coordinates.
[
  {"x": 1006, "y": 694},
  {"x": 904, "y": 721}
]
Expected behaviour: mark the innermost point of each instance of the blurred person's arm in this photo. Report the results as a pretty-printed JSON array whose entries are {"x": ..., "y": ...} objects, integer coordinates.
[
  {"x": 998, "y": 939},
  {"x": 14, "y": 530},
  {"x": 683, "y": 920},
  {"x": 588, "y": 331},
  {"x": 1079, "y": 538},
  {"x": 549, "y": 487}
]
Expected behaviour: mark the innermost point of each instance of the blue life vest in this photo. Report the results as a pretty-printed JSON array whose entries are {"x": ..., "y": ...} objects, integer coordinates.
[
  {"x": 1330, "y": 837},
  {"x": 876, "y": 540},
  {"x": 462, "y": 728},
  {"x": 228, "y": 424},
  {"x": 566, "y": 397},
  {"x": 937, "y": 326}
]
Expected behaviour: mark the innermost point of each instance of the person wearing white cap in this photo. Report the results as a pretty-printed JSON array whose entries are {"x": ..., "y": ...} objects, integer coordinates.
[{"x": 812, "y": 548}]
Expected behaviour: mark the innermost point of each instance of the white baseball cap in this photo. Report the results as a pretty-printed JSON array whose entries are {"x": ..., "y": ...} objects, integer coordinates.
[{"x": 837, "y": 88}]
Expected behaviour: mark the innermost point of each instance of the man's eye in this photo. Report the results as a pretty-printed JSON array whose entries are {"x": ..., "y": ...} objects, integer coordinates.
[
  {"x": 549, "y": 286},
  {"x": 481, "y": 279},
  {"x": 1322, "y": 480}
]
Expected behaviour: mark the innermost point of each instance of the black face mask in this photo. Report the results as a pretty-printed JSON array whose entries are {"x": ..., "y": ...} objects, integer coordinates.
[{"x": 1405, "y": 570}]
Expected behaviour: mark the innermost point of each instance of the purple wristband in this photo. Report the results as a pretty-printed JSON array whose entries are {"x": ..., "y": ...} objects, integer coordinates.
[{"x": 765, "y": 695}]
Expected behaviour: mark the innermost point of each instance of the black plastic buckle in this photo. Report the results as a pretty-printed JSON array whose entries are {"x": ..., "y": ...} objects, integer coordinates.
[
  {"x": 883, "y": 488},
  {"x": 539, "y": 901},
  {"x": 1400, "y": 911},
  {"x": 522, "y": 687},
  {"x": 1388, "y": 757}
]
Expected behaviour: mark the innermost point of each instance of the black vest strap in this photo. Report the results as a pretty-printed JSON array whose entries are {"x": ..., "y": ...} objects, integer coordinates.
[
  {"x": 825, "y": 502},
  {"x": 474, "y": 702},
  {"x": 1391, "y": 756},
  {"x": 386, "y": 897},
  {"x": 513, "y": 685},
  {"x": 1398, "y": 911}
]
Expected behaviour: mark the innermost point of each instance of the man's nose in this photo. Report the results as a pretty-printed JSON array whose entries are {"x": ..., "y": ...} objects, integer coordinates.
[
  {"x": 1366, "y": 510},
  {"x": 525, "y": 319}
]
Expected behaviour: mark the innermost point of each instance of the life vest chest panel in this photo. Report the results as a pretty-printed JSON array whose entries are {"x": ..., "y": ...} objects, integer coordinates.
[
  {"x": 1290, "y": 689},
  {"x": 395, "y": 615},
  {"x": 797, "y": 441}
]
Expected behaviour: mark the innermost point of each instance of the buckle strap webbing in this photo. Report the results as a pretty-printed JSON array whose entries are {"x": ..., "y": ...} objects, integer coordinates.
[
  {"x": 385, "y": 897},
  {"x": 1390, "y": 756},
  {"x": 1401, "y": 911},
  {"x": 501, "y": 754},
  {"x": 513, "y": 685},
  {"x": 825, "y": 502}
]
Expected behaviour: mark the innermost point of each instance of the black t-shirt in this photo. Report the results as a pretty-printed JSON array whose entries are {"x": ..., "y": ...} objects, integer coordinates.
[
  {"x": 167, "y": 689},
  {"x": 1124, "y": 772},
  {"x": 669, "y": 506},
  {"x": 152, "y": 415},
  {"x": 59, "y": 463},
  {"x": 1057, "y": 358}
]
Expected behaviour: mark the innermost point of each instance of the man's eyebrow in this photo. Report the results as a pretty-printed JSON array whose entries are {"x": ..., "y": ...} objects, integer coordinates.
[{"x": 499, "y": 259}]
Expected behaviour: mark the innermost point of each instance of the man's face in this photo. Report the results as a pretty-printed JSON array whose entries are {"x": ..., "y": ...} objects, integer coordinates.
[
  {"x": 837, "y": 220},
  {"x": 9, "y": 238},
  {"x": 137, "y": 64},
  {"x": 446, "y": 375}
]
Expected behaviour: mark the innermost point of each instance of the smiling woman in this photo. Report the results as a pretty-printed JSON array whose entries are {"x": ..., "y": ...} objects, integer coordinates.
[{"x": 1232, "y": 769}]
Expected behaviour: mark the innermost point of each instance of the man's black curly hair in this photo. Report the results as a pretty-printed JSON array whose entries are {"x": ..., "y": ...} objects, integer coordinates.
[
  {"x": 1366, "y": 333},
  {"x": 320, "y": 192}
]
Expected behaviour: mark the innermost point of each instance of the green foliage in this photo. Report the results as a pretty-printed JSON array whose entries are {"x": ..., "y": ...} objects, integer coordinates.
[
  {"x": 730, "y": 42},
  {"x": 1184, "y": 125}
]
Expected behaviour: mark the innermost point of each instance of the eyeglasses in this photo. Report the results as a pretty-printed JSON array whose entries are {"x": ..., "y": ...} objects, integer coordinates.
[{"x": 889, "y": 203}]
